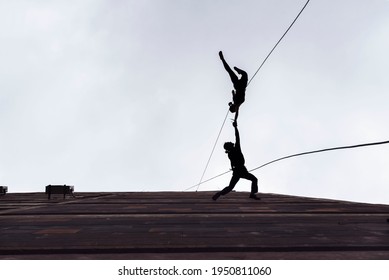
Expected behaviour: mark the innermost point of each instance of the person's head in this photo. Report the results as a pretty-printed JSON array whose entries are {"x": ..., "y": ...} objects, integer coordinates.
[{"x": 228, "y": 146}]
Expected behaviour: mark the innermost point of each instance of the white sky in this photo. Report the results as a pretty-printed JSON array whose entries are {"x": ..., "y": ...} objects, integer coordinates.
[{"x": 130, "y": 95}]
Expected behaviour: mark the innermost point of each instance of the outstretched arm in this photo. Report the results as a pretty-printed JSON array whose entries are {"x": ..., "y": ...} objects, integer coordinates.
[
  {"x": 236, "y": 113},
  {"x": 237, "y": 137}
]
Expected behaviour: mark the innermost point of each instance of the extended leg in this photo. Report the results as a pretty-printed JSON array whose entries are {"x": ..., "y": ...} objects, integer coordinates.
[
  {"x": 227, "y": 189},
  {"x": 233, "y": 76},
  {"x": 231, "y": 186}
]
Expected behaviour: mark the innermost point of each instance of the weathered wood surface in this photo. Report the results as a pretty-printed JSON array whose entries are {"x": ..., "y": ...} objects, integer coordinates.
[{"x": 189, "y": 225}]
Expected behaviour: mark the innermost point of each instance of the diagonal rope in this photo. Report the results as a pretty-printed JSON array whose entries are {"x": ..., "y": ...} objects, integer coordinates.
[
  {"x": 300, "y": 154},
  {"x": 213, "y": 149},
  {"x": 320, "y": 151},
  {"x": 275, "y": 46}
]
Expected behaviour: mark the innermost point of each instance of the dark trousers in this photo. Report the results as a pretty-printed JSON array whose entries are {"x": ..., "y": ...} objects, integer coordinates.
[
  {"x": 233, "y": 76},
  {"x": 244, "y": 174}
]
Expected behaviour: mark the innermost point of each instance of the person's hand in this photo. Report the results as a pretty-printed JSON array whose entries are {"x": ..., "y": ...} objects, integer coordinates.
[
  {"x": 235, "y": 124},
  {"x": 221, "y": 55}
]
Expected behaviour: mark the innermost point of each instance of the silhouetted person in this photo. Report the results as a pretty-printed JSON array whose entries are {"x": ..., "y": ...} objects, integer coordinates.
[
  {"x": 239, "y": 170},
  {"x": 238, "y": 95}
]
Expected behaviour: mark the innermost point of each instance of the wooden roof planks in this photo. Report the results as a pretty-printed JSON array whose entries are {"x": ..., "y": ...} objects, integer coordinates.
[{"x": 189, "y": 225}]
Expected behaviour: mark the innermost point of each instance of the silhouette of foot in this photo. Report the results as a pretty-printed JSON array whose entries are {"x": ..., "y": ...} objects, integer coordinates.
[
  {"x": 216, "y": 196},
  {"x": 253, "y": 196}
]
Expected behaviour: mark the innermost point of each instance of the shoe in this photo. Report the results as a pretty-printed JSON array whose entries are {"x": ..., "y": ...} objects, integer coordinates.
[
  {"x": 216, "y": 196},
  {"x": 253, "y": 196}
]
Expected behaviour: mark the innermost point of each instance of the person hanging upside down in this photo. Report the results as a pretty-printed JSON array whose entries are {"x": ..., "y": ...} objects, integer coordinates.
[
  {"x": 238, "y": 168},
  {"x": 238, "y": 95}
]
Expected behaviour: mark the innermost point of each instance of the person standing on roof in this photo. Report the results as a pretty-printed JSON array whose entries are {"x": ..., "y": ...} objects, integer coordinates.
[
  {"x": 238, "y": 168},
  {"x": 238, "y": 95}
]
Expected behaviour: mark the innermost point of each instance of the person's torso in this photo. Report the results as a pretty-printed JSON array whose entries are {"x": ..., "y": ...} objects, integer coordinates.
[
  {"x": 240, "y": 92},
  {"x": 236, "y": 157}
]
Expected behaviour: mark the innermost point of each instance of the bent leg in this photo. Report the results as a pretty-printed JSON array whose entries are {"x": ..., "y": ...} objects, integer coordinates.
[
  {"x": 254, "y": 182},
  {"x": 241, "y": 72}
]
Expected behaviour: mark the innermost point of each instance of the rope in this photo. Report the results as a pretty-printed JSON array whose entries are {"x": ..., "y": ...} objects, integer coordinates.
[
  {"x": 217, "y": 139},
  {"x": 322, "y": 150},
  {"x": 299, "y": 154},
  {"x": 275, "y": 46},
  {"x": 213, "y": 149}
]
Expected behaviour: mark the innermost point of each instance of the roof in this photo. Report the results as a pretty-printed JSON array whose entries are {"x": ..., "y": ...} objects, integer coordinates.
[{"x": 189, "y": 225}]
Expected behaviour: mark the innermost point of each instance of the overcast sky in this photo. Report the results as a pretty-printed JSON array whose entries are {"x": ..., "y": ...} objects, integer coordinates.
[{"x": 130, "y": 95}]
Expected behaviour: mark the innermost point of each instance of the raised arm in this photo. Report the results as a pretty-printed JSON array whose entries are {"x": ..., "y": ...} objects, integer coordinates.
[
  {"x": 237, "y": 137},
  {"x": 236, "y": 113}
]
